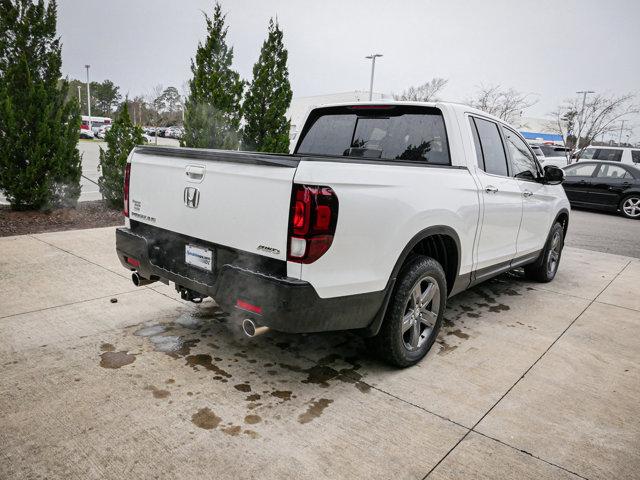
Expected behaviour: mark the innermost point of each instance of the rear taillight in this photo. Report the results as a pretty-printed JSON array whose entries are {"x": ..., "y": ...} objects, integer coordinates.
[
  {"x": 312, "y": 222},
  {"x": 127, "y": 177}
]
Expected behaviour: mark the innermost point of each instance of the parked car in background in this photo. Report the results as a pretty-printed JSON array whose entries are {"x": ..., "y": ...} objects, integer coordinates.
[
  {"x": 610, "y": 186},
  {"x": 174, "y": 132},
  {"x": 551, "y": 154},
  {"x": 102, "y": 131},
  {"x": 630, "y": 156},
  {"x": 382, "y": 212},
  {"x": 86, "y": 134}
]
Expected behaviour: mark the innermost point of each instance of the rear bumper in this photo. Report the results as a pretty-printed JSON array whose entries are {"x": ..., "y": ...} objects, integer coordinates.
[{"x": 287, "y": 304}]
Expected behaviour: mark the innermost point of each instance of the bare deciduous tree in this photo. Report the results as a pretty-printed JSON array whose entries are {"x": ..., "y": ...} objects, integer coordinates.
[
  {"x": 427, "y": 92},
  {"x": 602, "y": 115},
  {"x": 506, "y": 104}
]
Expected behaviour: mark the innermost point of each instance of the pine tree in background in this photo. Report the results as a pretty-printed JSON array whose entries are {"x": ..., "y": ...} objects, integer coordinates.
[
  {"x": 39, "y": 163},
  {"x": 120, "y": 138},
  {"x": 268, "y": 98},
  {"x": 212, "y": 111}
]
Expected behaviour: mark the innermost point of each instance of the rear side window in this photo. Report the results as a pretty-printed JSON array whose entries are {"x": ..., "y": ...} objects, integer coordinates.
[
  {"x": 609, "y": 154},
  {"x": 495, "y": 159},
  {"x": 415, "y": 134},
  {"x": 613, "y": 171}
]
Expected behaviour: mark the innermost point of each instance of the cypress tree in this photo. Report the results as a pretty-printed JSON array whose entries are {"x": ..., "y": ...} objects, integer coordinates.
[
  {"x": 120, "y": 138},
  {"x": 40, "y": 166},
  {"x": 213, "y": 110},
  {"x": 268, "y": 98}
]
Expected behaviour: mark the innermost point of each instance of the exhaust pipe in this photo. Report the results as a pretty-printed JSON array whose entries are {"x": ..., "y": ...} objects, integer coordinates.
[
  {"x": 251, "y": 329},
  {"x": 139, "y": 281}
]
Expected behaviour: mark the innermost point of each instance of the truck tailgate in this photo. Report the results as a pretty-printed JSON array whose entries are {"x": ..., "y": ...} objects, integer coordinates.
[{"x": 236, "y": 199}]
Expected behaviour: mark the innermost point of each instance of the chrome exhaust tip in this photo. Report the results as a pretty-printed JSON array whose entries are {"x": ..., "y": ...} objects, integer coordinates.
[
  {"x": 139, "y": 281},
  {"x": 251, "y": 330}
]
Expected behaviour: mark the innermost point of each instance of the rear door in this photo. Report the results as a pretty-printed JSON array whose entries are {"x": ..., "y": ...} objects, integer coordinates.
[
  {"x": 233, "y": 199},
  {"x": 502, "y": 200},
  {"x": 608, "y": 184},
  {"x": 577, "y": 181}
]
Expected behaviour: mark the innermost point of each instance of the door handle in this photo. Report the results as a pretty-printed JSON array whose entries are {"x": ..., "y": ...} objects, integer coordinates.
[
  {"x": 491, "y": 189},
  {"x": 195, "y": 172},
  {"x": 527, "y": 194}
]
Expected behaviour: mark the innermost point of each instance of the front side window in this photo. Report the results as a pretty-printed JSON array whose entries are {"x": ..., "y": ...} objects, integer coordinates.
[
  {"x": 612, "y": 171},
  {"x": 523, "y": 162},
  {"x": 414, "y": 134},
  {"x": 495, "y": 158},
  {"x": 635, "y": 156},
  {"x": 580, "y": 170},
  {"x": 589, "y": 154}
]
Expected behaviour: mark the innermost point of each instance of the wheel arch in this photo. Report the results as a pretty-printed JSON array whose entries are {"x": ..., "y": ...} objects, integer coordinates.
[
  {"x": 563, "y": 217},
  {"x": 440, "y": 242}
]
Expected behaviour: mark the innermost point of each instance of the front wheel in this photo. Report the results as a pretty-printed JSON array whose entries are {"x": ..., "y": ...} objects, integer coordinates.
[
  {"x": 545, "y": 268},
  {"x": 630, "y": 206},
  {"x": 415, "y": 313}
]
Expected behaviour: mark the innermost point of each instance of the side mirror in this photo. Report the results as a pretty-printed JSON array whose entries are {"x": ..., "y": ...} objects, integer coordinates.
[{"x": 553, "y": 175}]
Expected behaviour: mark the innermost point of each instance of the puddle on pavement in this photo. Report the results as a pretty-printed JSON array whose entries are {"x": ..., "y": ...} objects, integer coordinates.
[{"x": 116, "y": 359}]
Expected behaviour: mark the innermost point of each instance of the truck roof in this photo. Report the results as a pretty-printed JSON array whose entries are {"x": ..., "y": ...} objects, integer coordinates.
[{"x": 453, "y": 105}]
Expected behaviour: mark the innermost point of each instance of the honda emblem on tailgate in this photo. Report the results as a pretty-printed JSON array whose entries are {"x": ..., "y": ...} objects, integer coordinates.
[{"x": 191, "y": 197}]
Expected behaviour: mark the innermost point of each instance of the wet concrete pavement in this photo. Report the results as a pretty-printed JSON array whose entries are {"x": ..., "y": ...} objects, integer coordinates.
[{"x": 525, "y": 380}]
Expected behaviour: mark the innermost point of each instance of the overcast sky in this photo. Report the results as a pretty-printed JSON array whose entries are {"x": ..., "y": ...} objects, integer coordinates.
[{"x": 546, "y": 48}]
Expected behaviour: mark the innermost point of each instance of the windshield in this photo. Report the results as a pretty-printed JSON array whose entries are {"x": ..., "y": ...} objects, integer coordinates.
[{"x": 377, "y": 133}]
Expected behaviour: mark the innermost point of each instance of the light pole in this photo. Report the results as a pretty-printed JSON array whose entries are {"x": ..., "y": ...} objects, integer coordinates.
[
  {"x": 620, "y": 137},
  {"x": 584, "y": 101},
  {"x": 88, "y": 98},
  {"x": 372, "y": 57}
]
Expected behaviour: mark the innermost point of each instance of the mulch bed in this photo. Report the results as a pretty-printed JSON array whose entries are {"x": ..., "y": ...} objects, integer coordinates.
[{"x": 86, "y": 215}]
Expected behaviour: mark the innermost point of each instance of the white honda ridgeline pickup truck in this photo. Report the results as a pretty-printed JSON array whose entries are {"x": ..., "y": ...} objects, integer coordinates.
[{"x": 381, "y": 213}]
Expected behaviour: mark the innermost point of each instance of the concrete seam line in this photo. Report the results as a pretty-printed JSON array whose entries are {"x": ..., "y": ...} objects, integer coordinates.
[
  {"x": 67, "y": 304},
  {"x": 78, "y": 256},
  {"x": 530, "y": 454},
  {"x": 591, "y": 302},
  {"x": 617, "y": 306}
]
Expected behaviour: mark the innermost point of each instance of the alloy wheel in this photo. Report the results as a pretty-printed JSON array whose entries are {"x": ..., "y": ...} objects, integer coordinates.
[
  {"x": 631, "y": 207},
  {"x": 420, "y": 313}
]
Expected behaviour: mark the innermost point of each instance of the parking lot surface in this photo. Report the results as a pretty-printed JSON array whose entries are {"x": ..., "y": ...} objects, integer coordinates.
[{"x": 526, "y": 380}]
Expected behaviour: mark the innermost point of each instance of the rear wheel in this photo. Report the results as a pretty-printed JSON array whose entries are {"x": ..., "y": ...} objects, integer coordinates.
[
  {"x": 415, "y": 313},
  {"x": 544, "y": 269},
  {"x": 630, "y": 206}
]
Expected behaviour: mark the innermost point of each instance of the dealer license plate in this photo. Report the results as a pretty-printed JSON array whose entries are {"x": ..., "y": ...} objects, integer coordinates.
[{"x": 198, "y": 257}]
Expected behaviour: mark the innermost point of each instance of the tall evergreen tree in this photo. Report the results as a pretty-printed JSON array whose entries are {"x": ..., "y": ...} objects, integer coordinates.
[
  {"x": 268, "y": 98},
  {"x": 121, "y": 138},
  {"x": 39, "y": 162},
  {"x": 212, "y": 111}
]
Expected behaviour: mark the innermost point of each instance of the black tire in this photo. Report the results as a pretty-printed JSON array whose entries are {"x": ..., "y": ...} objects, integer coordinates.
[
  {"x": 395, "y": 343},
  {"x": 544, "y": 269},
  {"x": 631, "y": 210}
]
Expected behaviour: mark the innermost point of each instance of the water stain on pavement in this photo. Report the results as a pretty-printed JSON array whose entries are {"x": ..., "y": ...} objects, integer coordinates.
[
  {"x": 458, "y": 333},
  {"x": 316, "y": 408},
  {"x": 205, "y": 418},
  {"x": 157, "y": 392},
  {"x": 107, "y": 347},
  {"x": 204, "y": 360},
  {"x": 284, "y": 395},
  {"x": 252, "y": 419},
  {"x": 116, "y": 359},
  {"x": 243, "y": 387}
]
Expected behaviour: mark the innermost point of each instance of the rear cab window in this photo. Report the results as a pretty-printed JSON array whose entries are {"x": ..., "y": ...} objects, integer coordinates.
[{"x": 384, "y": 133}]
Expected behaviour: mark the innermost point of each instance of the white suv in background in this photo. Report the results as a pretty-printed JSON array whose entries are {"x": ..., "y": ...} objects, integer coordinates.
[{"x": 612, "y": 154}]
